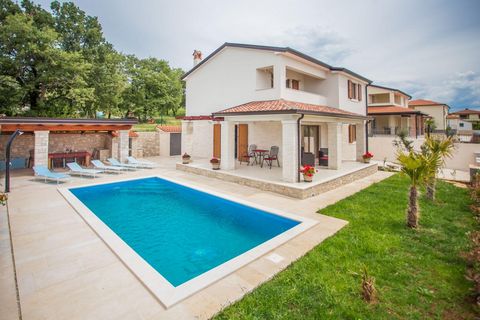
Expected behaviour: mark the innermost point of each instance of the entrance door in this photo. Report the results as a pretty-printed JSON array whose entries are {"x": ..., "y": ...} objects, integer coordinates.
[
  {"x": 242, "y": 149},
  {"x": 310, "y": 140},
  {"x": 217, "y": 140},
  {"x": 175, "y": 144}
]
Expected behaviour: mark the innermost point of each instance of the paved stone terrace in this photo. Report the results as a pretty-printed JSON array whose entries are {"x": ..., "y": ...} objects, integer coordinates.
[{"x": 65, "y": 271}]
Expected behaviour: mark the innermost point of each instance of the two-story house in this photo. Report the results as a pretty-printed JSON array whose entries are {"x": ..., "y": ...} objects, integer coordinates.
[
  {"x": 274, "y": 96},
  {"x": 436, "y": 110},
  {"x": 390, "y": 112},
  {"x": 466, "y": 119}
]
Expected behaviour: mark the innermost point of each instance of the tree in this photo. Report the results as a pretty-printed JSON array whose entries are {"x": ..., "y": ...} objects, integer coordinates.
[
  {"x": 436, "y": 151},
  {"x": 416, "y": 167}
]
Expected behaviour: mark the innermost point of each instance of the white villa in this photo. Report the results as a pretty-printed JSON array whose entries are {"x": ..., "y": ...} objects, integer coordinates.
[
  {"x": 274, "y": 96},
  {"x": 391, "y": 114}
]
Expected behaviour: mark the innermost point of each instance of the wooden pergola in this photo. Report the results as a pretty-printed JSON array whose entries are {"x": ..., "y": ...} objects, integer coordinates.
[{"x": 41, "y": 128}]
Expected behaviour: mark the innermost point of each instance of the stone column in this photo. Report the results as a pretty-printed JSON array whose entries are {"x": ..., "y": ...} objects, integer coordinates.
[
  {"x": 41, "y": 148},
  {"x": 289, "y": 160},
  {"x": 361, "y": 142},
  {"x": 227, "y": 145},
  {"x": 334, "y": 145},
  {"x": 122, "y": 145}
]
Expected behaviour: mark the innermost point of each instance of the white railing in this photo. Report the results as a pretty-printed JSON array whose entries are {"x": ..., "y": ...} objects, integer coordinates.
[{"x": 304, "y": 96}]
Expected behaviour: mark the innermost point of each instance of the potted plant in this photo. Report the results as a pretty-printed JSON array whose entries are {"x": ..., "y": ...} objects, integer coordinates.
[
  {"x": 186, "y": 158},
  {"x": 367, "y": 156},
  {"x": 215, "y": 163},
  {"x": 308, "y": 172}
]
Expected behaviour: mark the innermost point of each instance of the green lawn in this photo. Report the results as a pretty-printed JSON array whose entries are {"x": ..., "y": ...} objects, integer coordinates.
[
  {"x": 418, "y": 274},
  {"x": 168, "y": 120}
]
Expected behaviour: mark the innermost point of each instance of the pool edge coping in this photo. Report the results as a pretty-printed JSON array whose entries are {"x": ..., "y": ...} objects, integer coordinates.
[{"x": 161, "y": 289}]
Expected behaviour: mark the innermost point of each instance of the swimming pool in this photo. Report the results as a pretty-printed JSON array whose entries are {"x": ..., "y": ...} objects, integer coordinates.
[{"x": 184, "y": 235}]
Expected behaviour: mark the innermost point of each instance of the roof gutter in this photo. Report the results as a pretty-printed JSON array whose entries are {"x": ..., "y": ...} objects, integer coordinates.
[
  {"x": 366, "y": 112},
  {"x": 302, "y": 112}
]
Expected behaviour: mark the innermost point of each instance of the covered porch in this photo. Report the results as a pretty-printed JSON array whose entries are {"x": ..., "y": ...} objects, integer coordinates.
[{"x": 392, "y": 120}]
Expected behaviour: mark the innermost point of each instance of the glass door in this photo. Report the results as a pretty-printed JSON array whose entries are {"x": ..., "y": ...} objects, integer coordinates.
[{"x": 310, "y": 140}]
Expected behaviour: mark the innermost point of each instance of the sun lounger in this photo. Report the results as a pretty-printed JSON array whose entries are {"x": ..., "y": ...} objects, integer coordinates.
[
  {"x": 75, "y": 168},
  {"x": 141, "y": 163},
  {"x": 43, "y": 172},
  {"x": 116, "y": 163},
  {"x": 102, "y": 166}
]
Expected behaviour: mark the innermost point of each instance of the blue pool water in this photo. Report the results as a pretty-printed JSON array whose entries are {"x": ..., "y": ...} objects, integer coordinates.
[{"x": 179, "y": 231}]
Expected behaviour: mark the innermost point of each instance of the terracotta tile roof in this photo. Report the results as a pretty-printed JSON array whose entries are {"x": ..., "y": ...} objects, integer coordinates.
[
  {"x": 170, "y": 129},
  {"x": 391, "y": 110},
  {"x": 453, "y": 116},
  {"x": 282, "y": 106},
  {"x": 467, "y": 112},
  {"x": 423, "y": 102}
]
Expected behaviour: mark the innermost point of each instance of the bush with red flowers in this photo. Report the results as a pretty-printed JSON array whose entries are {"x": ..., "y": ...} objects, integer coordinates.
[
  {"x": 367, "y": 155},
  {"x": 308, "y": 171}
]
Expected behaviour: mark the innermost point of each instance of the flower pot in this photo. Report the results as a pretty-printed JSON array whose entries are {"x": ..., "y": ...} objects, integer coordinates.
[
  {"x": 185, "y": 160},
  {"x": 366, "y": 160},
  {"x": 307, "y": 178},
  {"x": 216, "y": 166}
]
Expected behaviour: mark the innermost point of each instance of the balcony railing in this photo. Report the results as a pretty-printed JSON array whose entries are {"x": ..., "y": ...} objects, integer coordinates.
[{"x": 304, "y": 96}]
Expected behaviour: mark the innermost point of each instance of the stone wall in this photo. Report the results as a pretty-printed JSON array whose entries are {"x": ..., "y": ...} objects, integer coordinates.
[
  {"x": 147, "y": 144},
  {"x": 290, "y": 191},
  {"x": 21, "y": 146},
  {"x": 59, "y": 142}
]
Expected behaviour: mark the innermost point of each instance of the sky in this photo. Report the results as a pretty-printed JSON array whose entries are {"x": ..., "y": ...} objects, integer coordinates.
[{"x": 429, "y": 49}]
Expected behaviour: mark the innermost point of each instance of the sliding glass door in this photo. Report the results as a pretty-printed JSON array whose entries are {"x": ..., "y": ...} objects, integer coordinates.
[{"x": 310, "y": 139}]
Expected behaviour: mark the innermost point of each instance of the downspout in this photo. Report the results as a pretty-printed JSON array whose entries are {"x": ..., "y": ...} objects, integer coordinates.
[
  {"x": 299, "y": 143},
  {"x": 366, "y": 113}
]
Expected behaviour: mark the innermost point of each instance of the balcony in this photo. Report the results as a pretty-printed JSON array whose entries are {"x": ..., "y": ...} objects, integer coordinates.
[{"x": 304, "y": 96}]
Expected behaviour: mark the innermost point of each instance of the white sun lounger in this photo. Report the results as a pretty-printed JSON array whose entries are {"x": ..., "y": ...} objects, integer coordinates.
[
  {"x": 142, "y": 163},
  {"x": 76, "y": 169},
  {"x": 43, "y": 172},
  {"x": 116, "y": 163},
  {"x": 102, "y": 166}
]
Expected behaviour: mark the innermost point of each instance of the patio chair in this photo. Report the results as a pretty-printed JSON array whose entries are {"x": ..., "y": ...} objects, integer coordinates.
[
  {"x": 141, "y": 163},
  {"x": 272, "y": 156},
  {"x": 102, "y": 166},
  {"x": 75, "y": 168},
  {"x": 43, "y": 172},
  {"x": 116, "y": 163},
  {"x": 249, "y": 155},
  {"x": 308, "y": 159},
  {"x": 323, "y": 157}
]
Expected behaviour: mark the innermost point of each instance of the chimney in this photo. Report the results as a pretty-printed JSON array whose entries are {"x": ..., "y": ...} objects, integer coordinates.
[{"x": 197, "y": 57}]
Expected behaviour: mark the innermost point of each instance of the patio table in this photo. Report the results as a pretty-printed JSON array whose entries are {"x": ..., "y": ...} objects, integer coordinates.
[
  {"x": 260, "y": 153},
  {"x": 83, "y": 156}
]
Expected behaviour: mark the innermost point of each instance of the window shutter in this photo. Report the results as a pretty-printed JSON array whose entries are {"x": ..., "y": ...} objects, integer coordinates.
[
  {"x": 352, "y": 133},
  {"x": 349, "y": 84},
  {"x": 359, "y": 95}
]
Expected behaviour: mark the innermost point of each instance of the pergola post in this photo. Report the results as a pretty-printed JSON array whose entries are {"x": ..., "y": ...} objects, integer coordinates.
[
  {"x": 334, "y": 145},
  {"x": 361, "y": 144},
  {"x": 122, "y": 145},
  {"x": 227, "y": 145},
  {"x": 289, "y": 161},
  {"x": 41, "y": 148}
]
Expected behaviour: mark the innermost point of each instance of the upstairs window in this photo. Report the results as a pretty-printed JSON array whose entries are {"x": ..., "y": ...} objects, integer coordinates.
[
  {"x": 354, "y": 90},
  {"x": 293, "y": 84}
]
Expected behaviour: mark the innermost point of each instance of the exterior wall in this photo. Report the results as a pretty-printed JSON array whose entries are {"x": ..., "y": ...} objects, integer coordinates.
[
  {"x": 266, "y": 134},
  {"x": 197, "y": 138},
  {"x": 147, "y": 144},
  {"x": 59, "y": 142},
  {"x": 229, "y": 79},
  {"x": 455, "y": 124},
  {"x": 21, "y": 146},
  {"x": 164, "y": 143},
  {"x": 41, "y": 148},
  {"x": 438, "y": 113},
  {"x": 391, "y": 97},
  {"x": 382, "y": 147},
  {"x": 344, "y": 102}
]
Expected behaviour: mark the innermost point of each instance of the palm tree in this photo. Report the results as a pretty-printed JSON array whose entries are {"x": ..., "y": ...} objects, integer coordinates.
[
  {"x": 436, "y": 151},
  {"x": 416, "y": 166}
]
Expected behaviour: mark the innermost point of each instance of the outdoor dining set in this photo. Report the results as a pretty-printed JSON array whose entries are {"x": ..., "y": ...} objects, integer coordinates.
[{"x": 257, "y": 156}]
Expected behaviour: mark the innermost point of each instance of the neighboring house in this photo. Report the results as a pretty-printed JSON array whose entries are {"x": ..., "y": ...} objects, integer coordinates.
[
  {"x": 273, "y": 96},
  {"x": 456, "y": 123},
  {"x": 390, "y": 112},
  {"x": 469, "y": 115},
  {"x": 438, "y": 111}
]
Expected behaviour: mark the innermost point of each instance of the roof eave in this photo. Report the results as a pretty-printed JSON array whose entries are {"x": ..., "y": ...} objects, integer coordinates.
[{"x": 306, "y": 112}]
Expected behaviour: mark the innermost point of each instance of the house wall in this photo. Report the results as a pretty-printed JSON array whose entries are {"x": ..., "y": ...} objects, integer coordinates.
[
  {"x": 349, "y": 150},
  {"x": 147, "y": 144},
  {"x": 438, "y": 113},
  {"x": 164, "y": 143},
  {"x": 344, "y": 102},
  {"x": 197, "y": 138},
  {"x": 59, "y": 142},
  {"x": 265, "y": 134},
  {"x": 455, "y": 124},
  {"x": 382, "y": 147},
  {"x": 229, "y": 79}
]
